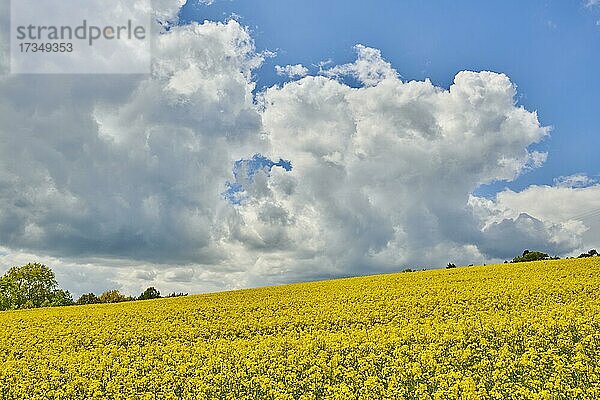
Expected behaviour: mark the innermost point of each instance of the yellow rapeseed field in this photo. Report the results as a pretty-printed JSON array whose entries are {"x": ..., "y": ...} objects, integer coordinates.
[{"x": 514, "y": 331}]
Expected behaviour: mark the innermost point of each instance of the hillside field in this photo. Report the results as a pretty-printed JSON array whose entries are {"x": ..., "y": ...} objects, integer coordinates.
[{"x": 511, "y": 331}]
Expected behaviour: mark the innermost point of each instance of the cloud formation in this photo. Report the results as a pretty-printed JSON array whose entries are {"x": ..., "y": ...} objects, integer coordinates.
[
  {"x": 292, "y": 71},
  {"x": 119, "y": 180},
  {"x": 369, "y": 69},
  {"x": 245, "y": 172},
  {"x": 570, "y": 211},
  {"x": 129, "y": 166},
  {"x": 574, "y": 181}
]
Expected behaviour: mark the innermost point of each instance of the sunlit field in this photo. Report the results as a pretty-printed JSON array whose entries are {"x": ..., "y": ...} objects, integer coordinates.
[{"x": 511, "y": 331}]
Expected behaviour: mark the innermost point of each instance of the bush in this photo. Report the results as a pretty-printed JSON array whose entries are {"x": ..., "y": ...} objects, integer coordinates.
[
  {"x": 60, "y": 298},
  {"x": 89, "y": 298},
  {"x": 150, "y": 293},
  {"x": 177, "y": 294},
  {"x": 113, "y": 296},
  {"x": 591, "y": 253},
  {"x": 531, "y": 256}
]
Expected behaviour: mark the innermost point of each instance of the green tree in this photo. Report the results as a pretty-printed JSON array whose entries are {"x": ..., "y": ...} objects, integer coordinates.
[
  {"x": 88, "y": 298},
  {"x": 531, "y": 256},
  {"x": 113, "y": 296},
  {"x": 60, "y": 298},
  {"x": 5, "y": 293},
  {"x": 591, "y": 253},
  {"x": 150, "y": 293},
  {"x": 29, "y": 286},
  {"x": 174, "y": 294}
]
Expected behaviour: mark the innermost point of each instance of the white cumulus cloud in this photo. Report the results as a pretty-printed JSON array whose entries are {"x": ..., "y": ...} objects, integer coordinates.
[
  {"x": 292, "y": 71},
  {"x": 574, "y": 181},
  {"x": 370, "y": 68}
]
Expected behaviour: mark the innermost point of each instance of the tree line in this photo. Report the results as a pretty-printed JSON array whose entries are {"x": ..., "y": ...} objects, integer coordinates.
[
  {"x": 539, "y": 256},
  {"x": 34, "y": 285},
  {"x": 529, "y": 256}
]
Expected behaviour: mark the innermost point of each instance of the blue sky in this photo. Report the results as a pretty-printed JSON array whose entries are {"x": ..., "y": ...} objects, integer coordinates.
[{"x": 549, "y": 49}]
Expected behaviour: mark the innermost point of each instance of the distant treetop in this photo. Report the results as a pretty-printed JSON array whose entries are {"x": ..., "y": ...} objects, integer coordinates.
[
  {"x": 150, "y": 293},
  {"x": 531, "y": 256}
]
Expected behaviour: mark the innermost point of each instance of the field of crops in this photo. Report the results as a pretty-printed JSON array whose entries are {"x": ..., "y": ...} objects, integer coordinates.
[{"x": 514, "y": 331}]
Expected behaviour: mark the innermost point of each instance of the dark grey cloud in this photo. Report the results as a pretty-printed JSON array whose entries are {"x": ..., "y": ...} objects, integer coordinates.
[{"x": 502, "y": 239}]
